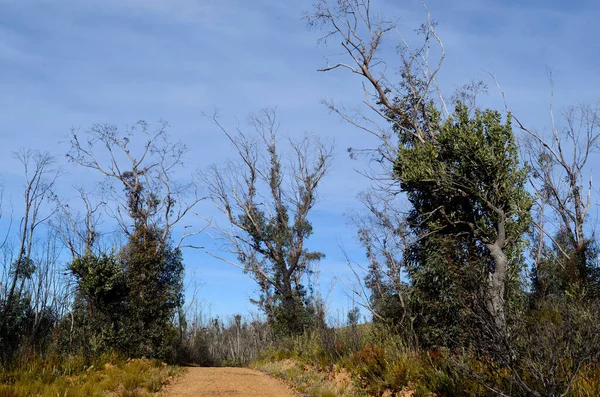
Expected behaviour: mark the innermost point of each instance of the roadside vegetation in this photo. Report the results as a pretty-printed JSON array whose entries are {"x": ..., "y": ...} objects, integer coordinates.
[
  {"x": 109, "y": 374},
  {"x": 374, "y": 361}
]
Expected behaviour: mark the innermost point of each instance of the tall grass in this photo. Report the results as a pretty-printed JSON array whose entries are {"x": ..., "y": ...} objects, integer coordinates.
[{"x": 73, "y": 377}]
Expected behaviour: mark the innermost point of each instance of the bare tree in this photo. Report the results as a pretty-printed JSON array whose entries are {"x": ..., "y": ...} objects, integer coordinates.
[
  {"x": 383, "y": 232},
  {"x": 559, "y": 161},
  {"x": 78, "y": 230},
  {"x": 47, "y": 287},
  {"x": 361, "y": 32},
  {"x": 40, "y": 176},
  {"x": 267, "y": 205},
  {"x": 141, "y": 182}
]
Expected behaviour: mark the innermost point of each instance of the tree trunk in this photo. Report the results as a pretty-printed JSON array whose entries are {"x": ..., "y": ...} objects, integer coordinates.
[
  {"x": 291, "y": 315},
  {"x": 497, "y": 287}
]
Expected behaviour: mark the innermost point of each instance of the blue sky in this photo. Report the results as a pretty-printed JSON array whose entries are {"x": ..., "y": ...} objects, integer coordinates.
[{"x": 67, "y": 63}]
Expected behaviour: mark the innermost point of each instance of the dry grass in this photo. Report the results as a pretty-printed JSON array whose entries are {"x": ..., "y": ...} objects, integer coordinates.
[
  {"x": 375, "y": 362},
  {"x": 109, "y": 376},
  {"x": 311, "y": 380},
  {"x": 364, "y": 362}
]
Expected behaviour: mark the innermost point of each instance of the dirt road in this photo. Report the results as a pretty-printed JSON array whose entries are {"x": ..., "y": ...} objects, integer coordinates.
[{"x": 221, "y": 382}]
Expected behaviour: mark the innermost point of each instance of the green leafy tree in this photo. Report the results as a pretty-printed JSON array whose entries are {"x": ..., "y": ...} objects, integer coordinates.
[
  {"x": 102, "y": 292},
  {"x": 466, "y": 184},
  {"x": 446, "y": 280},
  {"x": 154, "y": 276},
  {"x": 469, "y": 209},
  {"x": 552, "y": 273},
  {"x": 16, "y": 323},
  {"x": 147, "y": 202}
]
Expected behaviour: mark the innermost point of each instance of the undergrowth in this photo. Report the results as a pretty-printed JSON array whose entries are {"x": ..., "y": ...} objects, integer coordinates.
[
  {"x": 363, "y": 361},
  {"x": 109, "y": 375},
  {"x": 376, "y": 361}
]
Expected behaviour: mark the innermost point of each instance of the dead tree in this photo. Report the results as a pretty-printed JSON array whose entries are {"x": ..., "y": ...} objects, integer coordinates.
[
  {"x": 559, "y": 161},
  {"x": 394, "y": 112},
  {"x": 361, "y": 32},
  {"x": 383, "y": 233},
  {"x": 267, "y": 206},
  {"x": 78, "y": 230},
  {"x": 46, "y": 288},
  {"x": 40, "y": 176},
  {"x": 140, "y": 168}
]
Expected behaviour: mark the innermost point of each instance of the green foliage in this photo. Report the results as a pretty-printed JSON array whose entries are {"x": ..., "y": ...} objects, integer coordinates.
[
  {"x": 154, "y": 276},
  {"x": 354, "y": 316},
  {"x": 577, "y": 276},
  {"x": 14, "y": 326},
  {"x": 99, "y": 304},
  {"x": 22, "y": 327},
  {"x": 464, "y": 185},
  {"x": 385, "y": 291},
  {"x": 470, "y": 166},
  {"x": 293, "y": 315},
  {"x": 445, "y": 287},
  {"x": 551, "y": 344},
  {"x": 100, "y": 279},
  {"x": 287, "y": 303},
  {"x": 127, "y": 302}
]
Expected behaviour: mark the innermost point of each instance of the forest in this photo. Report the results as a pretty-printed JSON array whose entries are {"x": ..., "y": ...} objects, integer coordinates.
[{"x": 479, "y": 273}]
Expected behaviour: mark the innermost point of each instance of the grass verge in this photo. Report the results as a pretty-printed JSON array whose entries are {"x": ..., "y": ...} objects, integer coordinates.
[
  {"x": 363, "y": 361},
  {"x": 310, "y": 380},
  {"x": 109, "y": 375},
  {"x": 370, "y": 361}
]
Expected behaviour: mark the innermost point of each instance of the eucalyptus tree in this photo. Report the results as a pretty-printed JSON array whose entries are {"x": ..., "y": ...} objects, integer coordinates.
[
  {"x": 566, "y": 251},
  {"x": 27, "y": 293},
  {"x": 137, "y": 288},
  {"x": 267, "y": 205},
  {"x": 459, "y": 170}
]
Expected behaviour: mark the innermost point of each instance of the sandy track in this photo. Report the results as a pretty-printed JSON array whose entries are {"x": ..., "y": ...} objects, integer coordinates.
[{"x": 221, "y": 382}]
